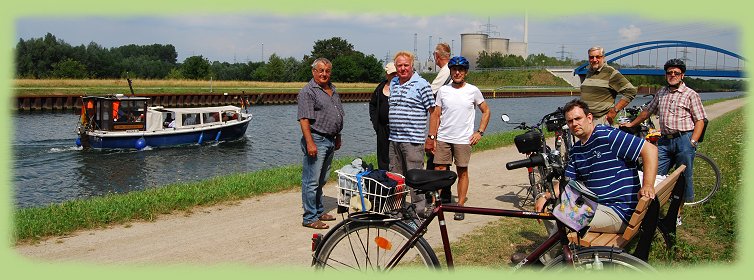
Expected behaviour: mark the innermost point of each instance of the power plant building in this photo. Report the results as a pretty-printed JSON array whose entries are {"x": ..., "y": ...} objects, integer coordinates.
[{"x": 474, "y": 43}]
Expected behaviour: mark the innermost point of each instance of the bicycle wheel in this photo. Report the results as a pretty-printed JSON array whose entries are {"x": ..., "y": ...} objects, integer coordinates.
[
  {"x": 371, "y": 245},
  {"x": 600, "y": 258},
  {"x": 706, "y": 179}
]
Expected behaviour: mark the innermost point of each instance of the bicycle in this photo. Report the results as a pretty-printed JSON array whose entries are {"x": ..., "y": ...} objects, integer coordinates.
[
  {"x": 706, "y": 174},
  {"x": 533, "y": 143},
  {"x": 373, "y": 241}
]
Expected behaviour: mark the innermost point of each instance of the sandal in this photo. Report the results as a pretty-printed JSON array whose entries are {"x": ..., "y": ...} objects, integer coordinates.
[
  {"x": 316, "y": 225},
  {"x": 326, "y": 217},
  {"x": 458, "y": 216}
]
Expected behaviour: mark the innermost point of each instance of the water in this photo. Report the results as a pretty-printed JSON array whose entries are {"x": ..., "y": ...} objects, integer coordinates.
[{"x": 49, "y": 168}]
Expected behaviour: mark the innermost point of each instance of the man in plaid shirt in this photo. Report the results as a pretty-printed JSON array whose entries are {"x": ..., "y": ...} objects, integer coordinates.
[{"x": 681, "y": 115}]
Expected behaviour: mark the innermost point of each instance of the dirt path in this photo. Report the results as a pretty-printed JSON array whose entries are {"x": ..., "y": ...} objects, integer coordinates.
[{"x": 266, "y": 230}]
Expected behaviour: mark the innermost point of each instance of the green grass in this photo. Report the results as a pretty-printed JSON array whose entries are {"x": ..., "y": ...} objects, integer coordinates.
[{"x": 709, "y": 231}]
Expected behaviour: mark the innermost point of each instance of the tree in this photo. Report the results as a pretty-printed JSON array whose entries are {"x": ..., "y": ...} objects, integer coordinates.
[
  {"x": 331, "y": 48},
  {"x": 195, "y": 68},
  {"x": 349, "y": 65},
  {"x": 69, "y": 68}
]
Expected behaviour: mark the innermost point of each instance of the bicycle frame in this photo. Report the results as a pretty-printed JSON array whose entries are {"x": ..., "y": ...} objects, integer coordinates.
[{"x": 439, "y": 211}]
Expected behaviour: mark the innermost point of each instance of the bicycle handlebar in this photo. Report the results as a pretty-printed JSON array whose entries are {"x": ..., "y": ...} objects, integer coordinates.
[{"x": 534, "y": 160}]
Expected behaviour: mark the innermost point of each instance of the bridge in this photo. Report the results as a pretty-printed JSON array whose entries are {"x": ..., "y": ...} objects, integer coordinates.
[{"x": 648, "y": 58}]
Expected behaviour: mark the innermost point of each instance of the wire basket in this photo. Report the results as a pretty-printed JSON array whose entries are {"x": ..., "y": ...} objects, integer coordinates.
[{"x": 377, "y": 198}]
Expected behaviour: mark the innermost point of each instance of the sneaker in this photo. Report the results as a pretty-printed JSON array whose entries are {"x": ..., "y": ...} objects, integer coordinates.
[{"x": 678, "y": 221}]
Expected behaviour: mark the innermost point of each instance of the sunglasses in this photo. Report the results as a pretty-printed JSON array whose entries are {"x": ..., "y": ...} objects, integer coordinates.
[
  {"x": 595, "y": 56},
  {"x": 673, "y": 73}
]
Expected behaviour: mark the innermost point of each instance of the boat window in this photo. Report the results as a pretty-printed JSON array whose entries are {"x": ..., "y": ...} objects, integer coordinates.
[
  {"x": 229, "y": 116},
  {"x": 190, "y": 119},
  {"x": 211, "y": 117},
  {"x": 128, "y": 111},
  {"x": 169, "y": 120}
]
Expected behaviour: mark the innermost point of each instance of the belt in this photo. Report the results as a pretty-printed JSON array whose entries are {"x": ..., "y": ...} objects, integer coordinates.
[
  {"x": 675, "y": 135},
  {"x": 328, "y": 136}
]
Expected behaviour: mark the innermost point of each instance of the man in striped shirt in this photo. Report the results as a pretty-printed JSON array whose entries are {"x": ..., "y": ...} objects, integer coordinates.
[
  {"x": 601, "y": 87},
  {"x": 411, "y": 101},
  {"x": 604, "y": 158},
  {"x": 681, "y": 116}
]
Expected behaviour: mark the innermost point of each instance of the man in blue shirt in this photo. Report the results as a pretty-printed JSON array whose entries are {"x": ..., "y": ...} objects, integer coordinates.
[
  {"x": 411, "y": 101},
  {"x": 604, "y": 159}
]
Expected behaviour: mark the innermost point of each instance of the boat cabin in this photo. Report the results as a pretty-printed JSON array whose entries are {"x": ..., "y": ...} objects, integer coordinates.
[{"x": 114, "y": 113}]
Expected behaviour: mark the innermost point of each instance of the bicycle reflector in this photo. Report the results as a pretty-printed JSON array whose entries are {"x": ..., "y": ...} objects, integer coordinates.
[
  {"x": 383, "y": 243},
  {"x": 316, "y": 238}
]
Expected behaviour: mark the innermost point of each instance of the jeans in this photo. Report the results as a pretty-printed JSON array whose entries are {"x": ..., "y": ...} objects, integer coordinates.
[
  {"x": 314, "y": 175},
  {"x": 674, "y": 152}
]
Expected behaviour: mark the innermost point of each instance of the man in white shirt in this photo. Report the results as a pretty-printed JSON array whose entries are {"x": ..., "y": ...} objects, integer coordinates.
[{"x": 452, "y": 125}]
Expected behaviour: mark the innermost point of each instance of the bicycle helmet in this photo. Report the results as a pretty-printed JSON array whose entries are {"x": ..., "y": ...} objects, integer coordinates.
[
  {"x": 459, "y": 61},
  {"x": 675, "y": 63}
]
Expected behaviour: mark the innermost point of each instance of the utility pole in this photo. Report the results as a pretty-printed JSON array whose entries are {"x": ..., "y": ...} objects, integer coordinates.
[
  {"x": 562, "y": 52},
  {"x": 416, "y": 54}
]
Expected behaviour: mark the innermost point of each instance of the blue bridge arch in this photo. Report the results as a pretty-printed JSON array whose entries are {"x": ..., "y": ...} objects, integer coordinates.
[{"x": 704, "y": 71}]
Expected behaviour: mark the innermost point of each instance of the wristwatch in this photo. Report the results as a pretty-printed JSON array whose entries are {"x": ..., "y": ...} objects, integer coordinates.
[
  {"x": 432, "y": 137},
  {"x": 480, "y": 132},
  {"x": 694, "y": 143}
]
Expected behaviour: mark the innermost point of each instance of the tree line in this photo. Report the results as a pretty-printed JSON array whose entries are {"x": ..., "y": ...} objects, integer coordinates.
[{"x": 50, "y": 57}]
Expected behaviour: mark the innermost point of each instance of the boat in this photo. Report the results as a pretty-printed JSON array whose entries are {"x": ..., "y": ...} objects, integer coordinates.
[{"x": 127, "y": 122}]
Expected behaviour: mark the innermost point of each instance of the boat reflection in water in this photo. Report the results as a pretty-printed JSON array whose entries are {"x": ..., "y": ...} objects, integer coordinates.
[{"x": 120, "y": 122}]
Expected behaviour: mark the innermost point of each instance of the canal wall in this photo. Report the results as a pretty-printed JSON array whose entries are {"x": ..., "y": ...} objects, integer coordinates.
[{"x": 73, "y": 103}]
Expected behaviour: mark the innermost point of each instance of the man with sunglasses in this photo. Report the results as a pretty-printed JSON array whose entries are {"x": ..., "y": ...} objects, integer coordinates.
[
  {"x": 681, "y": 114},
  {"x": 601, "y": 87}
]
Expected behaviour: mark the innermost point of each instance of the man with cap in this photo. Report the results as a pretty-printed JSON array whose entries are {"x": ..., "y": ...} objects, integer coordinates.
[
  {"x": 451, "y": 125},
  {"x": 681, "y": 114},
  {"x": 378, "y": 114}
]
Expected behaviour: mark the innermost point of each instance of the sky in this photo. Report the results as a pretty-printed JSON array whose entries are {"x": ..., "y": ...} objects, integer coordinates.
[{"x": 250, "y": 36}]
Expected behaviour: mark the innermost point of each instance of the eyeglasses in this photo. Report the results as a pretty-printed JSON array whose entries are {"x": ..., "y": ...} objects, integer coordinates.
[
  {"x": 673, "y": 73},
  {"x": 595, "y": 56}
]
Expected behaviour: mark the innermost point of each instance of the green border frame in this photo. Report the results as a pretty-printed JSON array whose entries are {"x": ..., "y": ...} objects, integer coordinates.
[{"x": 15, "y": 266}]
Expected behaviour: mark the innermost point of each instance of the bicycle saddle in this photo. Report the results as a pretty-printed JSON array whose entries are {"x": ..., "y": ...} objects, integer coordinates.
[{"x": 430, "y": 180}]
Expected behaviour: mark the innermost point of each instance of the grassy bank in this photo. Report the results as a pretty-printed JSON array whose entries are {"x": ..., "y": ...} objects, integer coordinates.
[
  {"x": 30, "y": 87},
  {"x": 496, "y": 79},
  {"x": 484, "y": 80},
  {"x": 708, "y": 234}
]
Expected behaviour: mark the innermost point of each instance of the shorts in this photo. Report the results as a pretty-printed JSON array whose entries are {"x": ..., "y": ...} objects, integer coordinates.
[{"x": 446, "y": 152}]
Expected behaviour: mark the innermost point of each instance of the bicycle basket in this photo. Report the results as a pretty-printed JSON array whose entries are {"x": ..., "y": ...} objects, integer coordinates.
[
  {"x": 529, "y": 142},
  {"x": 375, "y": 197}
]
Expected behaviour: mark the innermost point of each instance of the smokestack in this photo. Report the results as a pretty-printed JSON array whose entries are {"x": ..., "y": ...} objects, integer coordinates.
[{"x": 526, "y": 33}]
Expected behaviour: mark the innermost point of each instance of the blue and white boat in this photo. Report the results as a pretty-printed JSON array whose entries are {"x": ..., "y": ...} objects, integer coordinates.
[{"x": 121, "y": 122}]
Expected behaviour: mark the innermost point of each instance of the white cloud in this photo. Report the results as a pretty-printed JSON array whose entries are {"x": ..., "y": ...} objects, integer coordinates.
[{"x": 630, "y": 33}]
